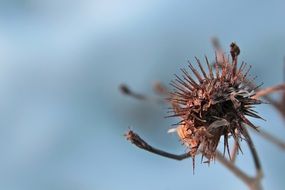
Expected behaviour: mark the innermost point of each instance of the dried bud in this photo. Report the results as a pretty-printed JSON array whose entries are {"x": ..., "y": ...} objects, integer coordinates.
[
  {"x": 213, "y": 106},
  {"x": 235, "y": 51}
]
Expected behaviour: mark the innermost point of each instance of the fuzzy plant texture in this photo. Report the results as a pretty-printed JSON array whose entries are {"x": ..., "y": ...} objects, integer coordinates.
[{"x": 213, "y": 105}]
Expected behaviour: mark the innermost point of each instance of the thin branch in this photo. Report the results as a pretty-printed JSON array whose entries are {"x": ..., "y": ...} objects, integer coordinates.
[
  {"x": 276, "y": 141},
  {"x": 269, "y": 90},
  {"x": 253, "y": 151},
  {"x": 253, "y": 183},
  {"x": 228, "y": 164},
  {"x": 278, "y": 105},
  {"x": 127, "y": 91},
  {"x": 139, "y": 142},
  {"x": 234, "y": 152}
]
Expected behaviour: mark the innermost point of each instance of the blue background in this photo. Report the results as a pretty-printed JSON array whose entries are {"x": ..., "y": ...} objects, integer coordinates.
[{"x": 62, "y": 118}]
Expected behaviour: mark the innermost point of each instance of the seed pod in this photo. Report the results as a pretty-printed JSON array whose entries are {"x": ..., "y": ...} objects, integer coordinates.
[{"x": 212, "y": 106}]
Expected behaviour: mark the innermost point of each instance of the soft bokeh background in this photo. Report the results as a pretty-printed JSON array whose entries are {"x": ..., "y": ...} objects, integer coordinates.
[{"x": 62, "y": 118}]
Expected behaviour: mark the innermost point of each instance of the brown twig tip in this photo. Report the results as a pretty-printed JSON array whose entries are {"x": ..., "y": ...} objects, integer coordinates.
[
  {"x": 127, "y": 91},
  {"x": 135, "y": 139},
  {"x": 235, "y": 51},
  {"x": 124, "y": 89},
  {"x": 139, "y": 142}
]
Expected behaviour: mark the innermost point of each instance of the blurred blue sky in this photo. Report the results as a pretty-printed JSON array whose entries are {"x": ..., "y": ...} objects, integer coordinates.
[{"x": 62, "y": 118}]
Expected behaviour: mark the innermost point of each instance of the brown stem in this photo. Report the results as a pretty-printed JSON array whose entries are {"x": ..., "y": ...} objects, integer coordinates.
[
  {"x": 228, "y": 164},
  {"x": 127, "y": 91},
  {"x": 276, "y": 141},
  {"x": 279, "y": 106},
  {"x": 139, "y": 142},
  {"x": 269, "y": 90},
  {"x": 253, "y": 151},
  {"x": 253, "y": 183},
  {"x": 234, "y": 152}
]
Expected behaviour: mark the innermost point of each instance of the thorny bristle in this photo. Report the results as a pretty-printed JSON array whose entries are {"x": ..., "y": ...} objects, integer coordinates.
[{"x": 213, "y": 106}]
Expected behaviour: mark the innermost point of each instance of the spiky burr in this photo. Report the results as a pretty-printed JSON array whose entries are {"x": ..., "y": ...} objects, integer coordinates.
[{"x": 214, "y": 105}]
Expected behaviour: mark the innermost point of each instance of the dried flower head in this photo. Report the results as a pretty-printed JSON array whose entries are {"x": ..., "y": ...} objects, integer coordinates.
[{"x": 214, "y": 105}]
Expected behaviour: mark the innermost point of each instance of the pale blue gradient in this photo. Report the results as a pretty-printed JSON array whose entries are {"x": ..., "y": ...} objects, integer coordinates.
[{"x": 62, "y": 117}]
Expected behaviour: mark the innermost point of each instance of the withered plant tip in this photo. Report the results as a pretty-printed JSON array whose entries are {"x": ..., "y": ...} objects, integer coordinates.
[{"x": 214, "y": 105}]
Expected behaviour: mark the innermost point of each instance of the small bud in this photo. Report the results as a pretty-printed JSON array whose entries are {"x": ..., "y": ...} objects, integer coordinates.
[{"x": 235, "y": 51}]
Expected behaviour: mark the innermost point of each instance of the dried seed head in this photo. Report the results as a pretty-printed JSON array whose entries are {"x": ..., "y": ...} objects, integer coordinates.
[{"x": 213, "y": 106}]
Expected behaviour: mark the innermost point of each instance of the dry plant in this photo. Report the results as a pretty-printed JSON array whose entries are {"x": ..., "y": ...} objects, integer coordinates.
[{"x": 212, "y": 107}]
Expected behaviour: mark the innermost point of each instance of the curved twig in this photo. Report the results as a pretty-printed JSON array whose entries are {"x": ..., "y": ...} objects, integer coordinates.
[
  {"x": 139, "y": 142},
  {"x": 252, "y": 182},
  {"x": 269, "y": 90}
]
